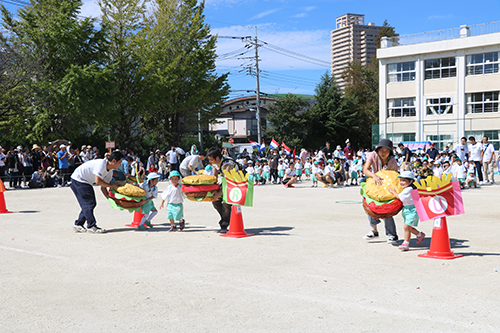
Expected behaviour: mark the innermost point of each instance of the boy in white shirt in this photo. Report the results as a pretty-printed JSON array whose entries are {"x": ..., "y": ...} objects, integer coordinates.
[
  {"x": 173, "y": 196},
  {"x": 436, "y": 169},
  {"x": 149, "y": 209},
  {"x": 307, "y": 168},
  {"x": 459, "y": 172}
]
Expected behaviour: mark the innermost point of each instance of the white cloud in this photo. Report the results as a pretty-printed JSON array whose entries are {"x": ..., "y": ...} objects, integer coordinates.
[
  {"x": 90, "y": 8},
  {"x": 261, "y": 15},
  {"x": 304, "y": 12}
]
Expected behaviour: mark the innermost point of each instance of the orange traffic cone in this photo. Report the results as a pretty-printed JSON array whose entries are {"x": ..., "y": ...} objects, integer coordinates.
[
  {"x": 3, "y": 206},
  {"x": 137, "y": 219},
  {"x": 236, "y": 229},
  {"x": 440, "y": 242}
]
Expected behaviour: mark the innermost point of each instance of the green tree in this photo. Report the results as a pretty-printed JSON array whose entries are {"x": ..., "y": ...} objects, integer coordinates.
[
  {"x": 385, "y": 31},
  {"x": 122, "y": 21},
  {"x": 60, "y": 54},
  {"x": 333, "y": 117},
  {"x": 288, "y": 120},
  {"x": 179, "y": 51},
  {"x": 362, "y": 88}
]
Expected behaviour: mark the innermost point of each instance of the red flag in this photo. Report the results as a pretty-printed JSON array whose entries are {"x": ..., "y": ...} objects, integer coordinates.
[
  {"x": 293, "y": 154},
  {"x": 288, "y": 150}
]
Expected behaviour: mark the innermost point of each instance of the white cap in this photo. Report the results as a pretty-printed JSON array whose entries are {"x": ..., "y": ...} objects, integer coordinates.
[
  {"x": 62, "y": 146},
  {"x": 19, "y": 148},
  {"x": 346, "y": 141}
]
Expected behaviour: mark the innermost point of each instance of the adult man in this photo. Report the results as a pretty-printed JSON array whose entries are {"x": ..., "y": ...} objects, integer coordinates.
[
  {"x": 151, "y": 160},
  {"x": 84, "y": 154},
  {"x": 62, "y": 156},
  {"x": 123, "y": 170},
  {"x": 432, "y": 152},
  {"x": 325, "y": 174},
  {"x": 173, "y": 158},
  {"x": 475, "y": 153},
  {"x": 338, "y": 153},
  {"x": 12, "y": 160},
  {"x": 462, "y": 150},
  {"x": 406, "y": 157},
  {"x": 99, "y": 171},
  {"x": 349, "y": 152},
  {"x": 191, "y": 164},
  {"x": 221, "y": 163},
  {"x": 273, "y": 165},
  {"x": 487, "y": 155},
  {"x": 327, "y": 151}
]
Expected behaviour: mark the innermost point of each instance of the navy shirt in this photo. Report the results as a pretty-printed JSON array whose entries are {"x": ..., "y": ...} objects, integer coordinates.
[{"x": 432, "y": 152}]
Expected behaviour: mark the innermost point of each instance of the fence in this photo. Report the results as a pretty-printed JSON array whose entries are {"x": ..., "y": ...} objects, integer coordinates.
[{"x": 443, "y": 132}]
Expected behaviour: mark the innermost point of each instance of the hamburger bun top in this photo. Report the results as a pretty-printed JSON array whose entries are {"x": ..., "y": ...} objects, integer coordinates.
[{"x": 380, "y": 193}]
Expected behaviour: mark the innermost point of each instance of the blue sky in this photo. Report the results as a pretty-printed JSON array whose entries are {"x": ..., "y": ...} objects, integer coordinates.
[{"x": 304, "y": 27}]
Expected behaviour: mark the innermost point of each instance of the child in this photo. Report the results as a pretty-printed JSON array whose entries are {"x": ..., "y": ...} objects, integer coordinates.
[
  {"x": 281, "y": 170},
  {"x": 149, "y": 209},
  {"x": 447, "y": 168},
  {"x": 173, "y": 196},
  {"x": 471, "y": 176},
  {"x": 266, "y": 173},
  {"x": 298, "y": 168},
  {"x": 250, "y": 170},
  {"x": 315, "y": 169},
  {"x": 459, "y": 172},
  {"x": 209, "y": 170},
  {"x": 354, "y": 172},
  {"x": 410, "y": 215},
  {"x": 307, "y": 168},
  {"x": 257, "y": 173}
]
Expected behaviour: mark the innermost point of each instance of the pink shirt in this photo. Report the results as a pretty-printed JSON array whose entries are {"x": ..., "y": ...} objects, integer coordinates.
[{"x": 376, "y": 163}]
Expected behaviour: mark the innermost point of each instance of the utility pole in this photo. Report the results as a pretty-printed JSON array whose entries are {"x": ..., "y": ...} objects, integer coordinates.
[{"x": 259, "y": 134}]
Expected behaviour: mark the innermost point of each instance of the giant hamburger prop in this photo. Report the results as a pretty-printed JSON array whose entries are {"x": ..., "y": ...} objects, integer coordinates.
[
  {"x": 378, "y": 202},
  {"x": 200, "y": 187},
  {"x": 128, "y": 196}
]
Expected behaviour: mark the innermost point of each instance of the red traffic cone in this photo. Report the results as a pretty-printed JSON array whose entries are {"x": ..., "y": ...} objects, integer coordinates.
[
  {"x": 3, "y": 206},
  {"x": 440, "y": 242},
  {"x": 137, "y": 219},
  {"x": 236, "y": 229}
]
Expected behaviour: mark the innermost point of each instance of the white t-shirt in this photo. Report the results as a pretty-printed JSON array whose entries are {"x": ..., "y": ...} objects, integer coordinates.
[
  {"x": 327, "y": 171},
  {"x": 250, "y": 170},
  {"x": 462, "y": 151},
  {"x": 475, "y": 152},
  {"x": 307, "y": 165},
  {"x": 281, "y": 167},
  {"x": 289, "y": 173},
  {"x": 86, "y": 172},
  {"x": 193, "y": 161},
  {"x": 172, "y": 156},
  {"x": 173, "y": 194},
  {"x": 150, "y": 191},
  {"x": 2, "y": 156},
  {"x": 488, "y": 150},
  {"x": 458, "y": 171},
  {"x": 266, "y": 168},
  {"x": 405, "y": 196},
  {"x": 437, "y": 171},
  {"x": 298, "y": 165}
]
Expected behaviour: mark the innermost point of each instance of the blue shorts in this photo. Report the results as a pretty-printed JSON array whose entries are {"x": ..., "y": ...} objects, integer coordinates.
[
  {"x": 281, "y": 173},
  {"x": 175, "y": 211},
  {"x": 308, "y": 171},
  {"x": 410, "y": 215}
]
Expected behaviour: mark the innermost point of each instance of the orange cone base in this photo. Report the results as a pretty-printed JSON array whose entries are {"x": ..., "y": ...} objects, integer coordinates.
[
  {"x": 137, "y": 220},
  {"x": 440, "y": 242},
  {"x": 3, "y": 206},
  {"x": 236, "y": 229},
  {"x": 443, "y": 256}
]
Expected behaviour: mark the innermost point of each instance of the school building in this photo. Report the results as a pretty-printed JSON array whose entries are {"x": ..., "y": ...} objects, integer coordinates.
[{"x": 440, "y": 86}]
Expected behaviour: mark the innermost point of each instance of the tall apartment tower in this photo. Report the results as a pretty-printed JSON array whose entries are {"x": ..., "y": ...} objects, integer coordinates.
[{"x": 352, "y": 40}]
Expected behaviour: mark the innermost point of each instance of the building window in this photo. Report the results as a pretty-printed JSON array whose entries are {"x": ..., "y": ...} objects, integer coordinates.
[
  {"x": 440, "y": 68},
  {"x": 401, "y": 107},
  {"x": 483, "y": 102},
  {"x": 401, "y": 137},
  {"x": 441, "y": 141},
  {"x": 484, "y": 63},
  {"x": 493, "y": 137},
  {"x": 401, "y": 72},
  {"x": 439, "y": 106}
]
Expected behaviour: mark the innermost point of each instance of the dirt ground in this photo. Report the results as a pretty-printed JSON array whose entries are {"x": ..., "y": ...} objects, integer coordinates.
[{"x": 307, "y": 269}]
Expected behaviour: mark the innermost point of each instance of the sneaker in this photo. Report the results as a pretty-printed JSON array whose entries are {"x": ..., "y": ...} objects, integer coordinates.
[
  {"x": 142, "y": 227},
  {"x": 172, "y": 228},
  {"x": 392, "y": 239},
  {"x": 491, "y": 181},
  {"x": 421, "y": 238},
  {"x": 79, "y": 228},
  {"x": 182, "y": 223},
  {"x": 371, "y": 235},
  {"x": 404, "y": 247},
  {"x": 96, "y": 230},
  {"x": 148, "y": 224},
  {"x": 291, "y": 186}
]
